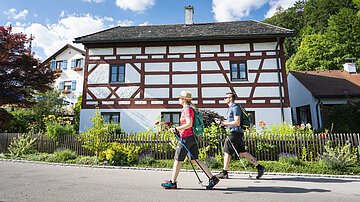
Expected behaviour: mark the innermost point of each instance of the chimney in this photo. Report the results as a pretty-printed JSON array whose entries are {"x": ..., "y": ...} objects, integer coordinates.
[
  {"x": 189, "y": 12},
  {"x": 350, "y": 66}
]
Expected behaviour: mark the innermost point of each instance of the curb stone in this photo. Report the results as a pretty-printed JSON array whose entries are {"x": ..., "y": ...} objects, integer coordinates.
[{"x": 182, "y": 170}]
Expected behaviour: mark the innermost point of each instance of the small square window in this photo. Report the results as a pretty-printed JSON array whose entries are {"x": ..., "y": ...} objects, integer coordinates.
[
  {"x": 111, "y": 117},
  {"x": 172, "y": 117}
]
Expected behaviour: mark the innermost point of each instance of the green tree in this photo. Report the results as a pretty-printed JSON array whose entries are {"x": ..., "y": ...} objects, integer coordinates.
[{"x": 77, "y": 110}]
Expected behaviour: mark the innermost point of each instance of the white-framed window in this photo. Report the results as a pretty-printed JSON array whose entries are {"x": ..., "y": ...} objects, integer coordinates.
[{"x": 171, "y": 117}]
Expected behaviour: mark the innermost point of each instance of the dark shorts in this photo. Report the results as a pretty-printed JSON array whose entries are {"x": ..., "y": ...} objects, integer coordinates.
[
  {"x": 192, "y": 146},
  {"x": 236, "y": 139}
]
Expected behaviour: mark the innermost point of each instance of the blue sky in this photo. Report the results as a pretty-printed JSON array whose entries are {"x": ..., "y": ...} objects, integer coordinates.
[{"x": 54, "y": 23}]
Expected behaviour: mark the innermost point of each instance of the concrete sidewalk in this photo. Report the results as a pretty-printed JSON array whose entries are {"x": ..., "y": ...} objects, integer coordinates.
[{"x": 43, "y": 182}]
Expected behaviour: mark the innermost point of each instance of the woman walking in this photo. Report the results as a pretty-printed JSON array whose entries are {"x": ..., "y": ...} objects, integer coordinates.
[{"x": 188, "y": 139}]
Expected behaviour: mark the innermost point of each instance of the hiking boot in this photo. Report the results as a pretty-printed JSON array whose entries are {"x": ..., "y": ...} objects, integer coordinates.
[
  {"x": 212, "y": 182},
  {"x": 169, "y": 185},
  {"x": 261, "y": 171},
  {"x": 223, "y": 175}
]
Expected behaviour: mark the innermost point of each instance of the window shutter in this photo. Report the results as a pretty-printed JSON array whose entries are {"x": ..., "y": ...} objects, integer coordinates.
[
  {"x": 82, "y": 63},
  {"x": 73, "y": 85},
  {"x": 52, "y": 65},
  {"x": 61, "y": 85},
  {"x": 64, "y": 64},
  {"x": 73, "y": 64}
]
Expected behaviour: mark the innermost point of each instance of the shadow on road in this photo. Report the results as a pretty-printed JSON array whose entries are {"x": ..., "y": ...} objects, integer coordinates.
[
  {"x": 316, "y": 180},
  {"x": 276, "y": 189}
]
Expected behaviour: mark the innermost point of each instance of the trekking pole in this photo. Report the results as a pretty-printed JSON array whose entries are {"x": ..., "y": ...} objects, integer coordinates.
[
  {"x": 191, "y": 157},
  {"x": 238, "y": 156}
]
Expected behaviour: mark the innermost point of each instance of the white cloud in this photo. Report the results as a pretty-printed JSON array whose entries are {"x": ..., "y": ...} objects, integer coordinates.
[
  {"x": 285, "y": 4},
  {"x": 51, "y": 37},
  {"x": 95, "y": 1},
  {"x": 12, "y": 13},
  {"x": 145, "y": 24},
  {"x": 135, "y": 5},
  {"x": 125, "y": 23},
  {"x": 62, "y": 14},
  {"x": 230, "y": 10}
]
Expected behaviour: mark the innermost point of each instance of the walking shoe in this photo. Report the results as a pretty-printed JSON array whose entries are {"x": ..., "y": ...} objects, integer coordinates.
[
  {"x": 212, "y": 182},
  {"x": 223, "y": 175},
  {"x": 261, "y": 171},
  {"x": 169, "y": 185}
]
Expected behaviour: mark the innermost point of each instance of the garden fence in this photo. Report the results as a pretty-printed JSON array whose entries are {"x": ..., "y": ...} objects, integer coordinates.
[{"x": 263, "y": 147}]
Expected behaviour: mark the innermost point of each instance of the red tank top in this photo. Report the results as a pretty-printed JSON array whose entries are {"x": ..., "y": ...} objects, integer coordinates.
[{"x": 185, "y": 112}]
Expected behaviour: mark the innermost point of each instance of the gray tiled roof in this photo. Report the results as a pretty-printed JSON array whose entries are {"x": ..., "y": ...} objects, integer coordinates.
[{"x": 248, "y": 29}]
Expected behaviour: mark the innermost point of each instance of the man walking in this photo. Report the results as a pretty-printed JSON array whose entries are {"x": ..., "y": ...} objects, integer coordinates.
[{"x": 236, "y": 136}]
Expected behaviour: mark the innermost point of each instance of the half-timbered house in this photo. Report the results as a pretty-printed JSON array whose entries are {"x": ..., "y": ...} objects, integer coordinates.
[{"x": 134, "y": 74}]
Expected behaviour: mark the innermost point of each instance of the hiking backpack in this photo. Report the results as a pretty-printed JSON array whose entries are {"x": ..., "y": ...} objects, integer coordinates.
[
  {"x": 198, "y": 125},
  {"x": 245, "y": 121}
]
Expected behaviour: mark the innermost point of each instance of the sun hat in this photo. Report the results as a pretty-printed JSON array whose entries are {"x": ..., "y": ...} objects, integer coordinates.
[{"x": 186, "y": 95}]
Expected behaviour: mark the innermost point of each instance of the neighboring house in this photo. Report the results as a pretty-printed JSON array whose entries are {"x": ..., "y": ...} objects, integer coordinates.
[
  {"x": 313, "y": 93},
  {"x": 68, "y": 66},
  {"x": 134, "y": 74}
]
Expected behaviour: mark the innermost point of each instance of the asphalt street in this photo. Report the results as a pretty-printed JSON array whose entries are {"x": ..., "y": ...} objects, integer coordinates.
[{"x": 41, "y": 182}]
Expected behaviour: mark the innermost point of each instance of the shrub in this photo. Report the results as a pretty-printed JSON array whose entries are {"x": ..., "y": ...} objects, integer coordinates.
[
  {"x": 97, "y": 138},
  {"x": 121, "y": 154},
  {"x": 290, "y": 159},
  {"x": 147, "y": 159},
  {"x": 338, "y": 158},
  {"x": 57, "y": 128},
  {"x": 23, "y": 144},
  {"x": 212, "y": 162},
  {"x": 209, "y": 117},
  {"x": 65, "y": 155},
  {"x": 87, "y": 160}
]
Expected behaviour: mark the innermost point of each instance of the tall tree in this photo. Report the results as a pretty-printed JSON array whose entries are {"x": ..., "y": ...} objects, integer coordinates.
[
  {"x": 292, "y": 18},
  {"x": 20, "y": 75}
]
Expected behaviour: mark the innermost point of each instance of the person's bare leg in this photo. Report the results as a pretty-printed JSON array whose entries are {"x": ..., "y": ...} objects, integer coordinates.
[
  {"x": 227, "y": 158},
  {"x": 175, "y": 171},
  {"x": 203, "y": 166},
  {"x": 249, "y": 157}
]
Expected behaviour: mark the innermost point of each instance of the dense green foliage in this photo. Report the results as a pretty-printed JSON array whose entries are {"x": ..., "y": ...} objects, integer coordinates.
[
  {"x": 344, "y": 118},
  {"x": 326, "y": 32}
]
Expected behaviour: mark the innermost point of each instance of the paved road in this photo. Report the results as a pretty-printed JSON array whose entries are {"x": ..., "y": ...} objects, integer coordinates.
[{"x": 37, "y": 182}]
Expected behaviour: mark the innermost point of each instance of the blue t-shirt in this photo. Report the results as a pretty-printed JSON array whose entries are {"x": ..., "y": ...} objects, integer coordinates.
[{"x": 234, "y": 110}]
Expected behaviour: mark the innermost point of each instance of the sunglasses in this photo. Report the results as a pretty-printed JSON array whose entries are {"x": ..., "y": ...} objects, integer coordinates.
[{"x": 226, "y": 98}]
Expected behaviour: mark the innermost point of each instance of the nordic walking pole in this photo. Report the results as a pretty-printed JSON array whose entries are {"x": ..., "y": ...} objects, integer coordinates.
[
  {"x": 238, "y": 156},
  {"x": 191, "y": 156}
]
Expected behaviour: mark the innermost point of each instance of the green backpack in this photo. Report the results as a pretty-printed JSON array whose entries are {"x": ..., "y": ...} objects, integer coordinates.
[{"x": 198, "y": 125}]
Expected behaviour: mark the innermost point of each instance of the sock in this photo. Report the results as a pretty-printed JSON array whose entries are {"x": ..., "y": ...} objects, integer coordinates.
[
  {"x": 258, "y": 166},
  {"x": 225, "y": 171}
]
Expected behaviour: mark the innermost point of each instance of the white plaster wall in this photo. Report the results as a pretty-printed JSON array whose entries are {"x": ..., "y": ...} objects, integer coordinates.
[
  {"x": 100, "y": 92},
  {"x": 141, "y": 119},
  {"x": 126, "y": 92},
  {"x": 152, "y": 67},
  {"x": 236, "y": 47},
  {"x": 267, "y": 92},
  {"x": 193, "y": 91},
  {"x": 157, "y": 79},
  {"x": 209, "y": 48},
  {"x": 156, "y": 93},
  {"x": 155, "y": 50},
  {"x": 100, "y": 51},
  {"x": 184, "y": 66},
  {"x": 182, "y": 49},
  {"x": 243, "y": 91},
  {"x": 184, "y": 79},
  {"x": 209, "y": 65},
  {"x": 265, "y": 46},
  {"x": 269, "y": 64},
  {"x": 131, "y": 75},
  {"x": 214, "y": 91},
  {"x": 269, "y": 77},
  {"x": 100, "y": 74},
  {"x": 253, "y": 64},
  {"x": 212, "y": 78},
  {"x": 128, "y": 51}
]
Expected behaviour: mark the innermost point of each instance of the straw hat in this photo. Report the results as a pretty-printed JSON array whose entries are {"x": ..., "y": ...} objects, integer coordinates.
[{"x": 186, "y": 95}]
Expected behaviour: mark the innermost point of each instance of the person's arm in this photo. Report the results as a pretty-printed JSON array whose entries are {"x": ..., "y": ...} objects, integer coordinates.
[
  {"x": 188, "y": 124},
  {"x": 236, "y": 122}
]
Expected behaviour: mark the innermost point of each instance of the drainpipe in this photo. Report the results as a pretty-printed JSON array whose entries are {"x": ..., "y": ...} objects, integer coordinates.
[
  {"x": 317, "y": 113},
  {"x": 279, "y": 78}
]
